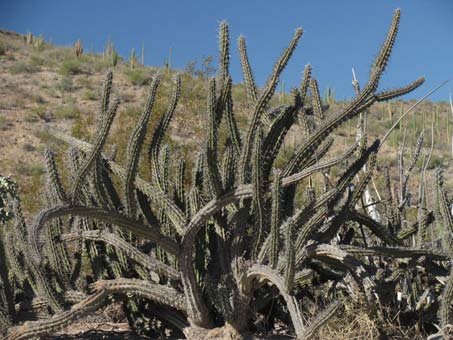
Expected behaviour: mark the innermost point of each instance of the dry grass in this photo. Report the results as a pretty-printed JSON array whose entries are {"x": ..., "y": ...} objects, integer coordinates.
[{"x": 355, "y": 323}]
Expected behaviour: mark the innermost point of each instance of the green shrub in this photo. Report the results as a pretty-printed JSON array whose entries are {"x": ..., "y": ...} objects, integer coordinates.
[
  {"x": 67, "y": 112},
  {"x": 436, "y": 162},
  {"x": 85, "y": 82},
  {"x": 30, "y": 170},
  {"x": 21, "y": 67},
  {"x": 100, "y": 65},
  {"x": 35, "y": 114},
  {"x": 65, "y": 84},
  {"x": 45, "y": 137},
  {"x": 28, "y": 147},
  {"x": 89, "y": 95},
  {"x": 71, "y": 67},
  {"x": 79, "y": 129},
  {"x": 37, "y": 98},
  {"x": 36, "y": 60},
  {"x": 138, "y": 77},
  {"x": 3, "y": 124},
  {"x": 30, "y": 116}
]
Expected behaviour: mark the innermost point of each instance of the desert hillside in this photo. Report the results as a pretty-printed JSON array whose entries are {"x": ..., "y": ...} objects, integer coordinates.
[
  {"x": 43, "y": 85},
  {"x": 241, "y": 225}
]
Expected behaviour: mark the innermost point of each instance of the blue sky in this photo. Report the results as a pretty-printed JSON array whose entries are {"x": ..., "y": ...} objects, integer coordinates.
[{"x": 337, "y": 34}]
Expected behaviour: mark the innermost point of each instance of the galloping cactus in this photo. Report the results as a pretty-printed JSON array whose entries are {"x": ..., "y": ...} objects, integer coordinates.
[{"x": 204, "y": 251}]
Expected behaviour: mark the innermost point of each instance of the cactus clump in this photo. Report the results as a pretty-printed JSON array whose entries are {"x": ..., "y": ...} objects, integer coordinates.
[{"x": 230, "y": 241}]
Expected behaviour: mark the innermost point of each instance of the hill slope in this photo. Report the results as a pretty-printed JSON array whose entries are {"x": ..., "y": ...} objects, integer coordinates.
[{"x": 48, "y": 85}]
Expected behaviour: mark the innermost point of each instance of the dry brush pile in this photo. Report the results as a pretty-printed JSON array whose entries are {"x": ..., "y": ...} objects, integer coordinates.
[{"x": 213, "y": 249}]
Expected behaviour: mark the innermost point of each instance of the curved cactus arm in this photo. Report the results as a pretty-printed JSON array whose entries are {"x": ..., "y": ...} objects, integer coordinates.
[
  {"x": 57, "y": 253},
  {"x": 383, "y": 57},
  {"x": 306, "y": 151},
  {"x": 261, "y": 103},
  {"x": 307, "y": 230},
  {"x": 222, "y": 100},
  {"x": 249, "y": 81},
  {"x": 391, "y": 210},
  {"x": 196, "y": 308},
  {"x": 426, "y": 219},
  {"x": 212, "y": 207},
  {"x": 170, "y": 315},
  {"x": 101, "y": 193},
  {"x": 307, "y": 220},
  {"x": 342, "y": 184},
  {"x": 304, "y": 86},
  {"x": 376, "y": 228},
  {"x": 316, "y": 101},
  {"x": 354, "y": 168},
  {"x": 212, "y": 169},
  {"x": 145, "y": 289},
  {"x": 413, "y": 161},
  {"x": 49, "y": 326},
  {"x": 322, "y": 150},
  {"x": 112, "y": 217},
  {"x": 106, "y": 91},
  {"x": 417, "y": 227},
  {"x": 258, "y": 188},
  {"x": 257, "y": 271},
  {"x": 319, "y": 167},
  {"x": 69, "y": 296},
  {"x": 12, "y": 252},
  {"x": 40, "y": 284},
  {"x": 5, "y": 322},
  {"x": 395, "y": 252},
  {"x": 305, "y": 83},
  {"x": 444, "y": 208},
  {"x": 7, "y": 293},
  {"x": 320, "y": 319},
  {"x": 356, "y": 268},
  {"x": 131, "y": 252},
  {"x": 390, "y": 94},
  {"x": 275, "y": 220},
  {"x": 159, "y": 133},
  {"x": 95, "y": 152},
  {"x": 445, "y": 303},
  {"x": 107, "y": 183},
  {"x": 180, "y": 192},
  {"x": 275, "y": 137},
  {"x": 43, "y": 287},
  {"x": 228, "y": 168},
  {"x": 224, "y": 49},
  {"x": 20, "y": 227},
  {"x": 232, "y": 125},
  {"x": 91, "y": 303},
  {"x": 54, "y": 178},
  {"x": 290, "y": 257},
  {"x": 304, "y": 277},
  {"x": 175, "y": 214},
  {"x": 103, "y": 288},
  {"x": 134, "y": 148}
]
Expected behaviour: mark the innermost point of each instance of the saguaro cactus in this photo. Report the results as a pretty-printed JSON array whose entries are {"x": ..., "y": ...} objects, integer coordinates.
[{"x": 78, "y": 48}]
